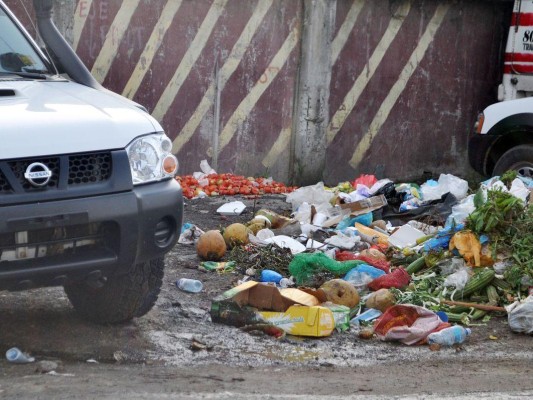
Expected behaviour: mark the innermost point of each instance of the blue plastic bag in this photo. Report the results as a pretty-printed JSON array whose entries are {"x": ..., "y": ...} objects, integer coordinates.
[
  {"x": 363, "y": 274},
  {"x": 442, "y": 239},
  {"x": 365, "y": 219}
]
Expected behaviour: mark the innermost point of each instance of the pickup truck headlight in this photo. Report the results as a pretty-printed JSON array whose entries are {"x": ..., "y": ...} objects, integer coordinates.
[{"x": 151, "y": 159}]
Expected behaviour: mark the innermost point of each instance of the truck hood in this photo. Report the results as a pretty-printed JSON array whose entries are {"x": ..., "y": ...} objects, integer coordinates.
[{"x": 60, "y": 117}]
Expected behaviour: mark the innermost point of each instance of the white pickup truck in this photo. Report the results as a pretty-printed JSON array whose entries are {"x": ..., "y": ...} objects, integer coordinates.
[{"x": 88, "y": 199}]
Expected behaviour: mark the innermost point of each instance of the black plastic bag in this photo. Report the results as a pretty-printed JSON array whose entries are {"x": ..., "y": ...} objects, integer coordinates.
[{"x": 433, "y": 212}]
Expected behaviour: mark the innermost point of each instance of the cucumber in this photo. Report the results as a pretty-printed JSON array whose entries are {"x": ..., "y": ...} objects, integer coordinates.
[{"x": 416, "y": 265}]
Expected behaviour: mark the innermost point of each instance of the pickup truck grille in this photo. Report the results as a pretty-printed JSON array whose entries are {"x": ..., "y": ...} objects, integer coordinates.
[{"x": 82, "y": 169}]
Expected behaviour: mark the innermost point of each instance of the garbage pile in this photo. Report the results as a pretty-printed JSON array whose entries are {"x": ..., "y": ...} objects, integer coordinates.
[{"x": 415, "y": 264}]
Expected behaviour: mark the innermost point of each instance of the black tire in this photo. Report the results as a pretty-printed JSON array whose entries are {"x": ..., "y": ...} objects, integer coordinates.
[
  {"x": 519, "y": 158},
  {"x": 120, "y": 298}
]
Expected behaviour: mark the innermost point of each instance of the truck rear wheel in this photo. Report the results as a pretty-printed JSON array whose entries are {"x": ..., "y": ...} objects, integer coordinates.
[
  {"x": 120, "y": 298},
  {"x": 519, "y": 159}
]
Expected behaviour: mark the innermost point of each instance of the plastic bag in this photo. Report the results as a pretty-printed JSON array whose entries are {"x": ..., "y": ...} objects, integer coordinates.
[
  {"x": 361, "y": 275},
  {"x": 442, "y": 239},
  {"x": 408, "y": 324},
  {"x": 364, "y": 219},
  {"x": 451, "y": 265},
  {"x": 189, "y": 233},
  {"x": 374, "y": 262},
  {"x": 341, "y": 315},
  {"x": 458, "y": 279},
  {"x": 461, "y": 211},
  {"x": 433, "y": 212},
  {"x": 520, "y": 316},
  {"x": 315, "y": 195},
  {"x": 342, "y": 241},
  {"x": 367, "y": 180},
  {"x": 518, "y": 189},
  {"x": 468, "y": 245},
  {"x": 447, "y": 183},
  {"x": 399, "y": 278}
]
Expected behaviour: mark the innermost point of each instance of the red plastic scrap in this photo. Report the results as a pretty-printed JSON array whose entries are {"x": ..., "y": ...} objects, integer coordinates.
[
  {"x": 399, "y": 278},
  {"x": 367, "y": 180},
  {"x": 345, "y": 256},
  {"x": 379, "y": 264}
]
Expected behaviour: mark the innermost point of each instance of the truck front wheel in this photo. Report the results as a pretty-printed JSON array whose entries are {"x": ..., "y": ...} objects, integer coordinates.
[
  {"x": 119, "y": 298},
  {"x": 519, "y": 159}
]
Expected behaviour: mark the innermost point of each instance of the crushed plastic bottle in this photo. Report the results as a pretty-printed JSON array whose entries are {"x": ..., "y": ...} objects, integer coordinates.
[
  {"x": 189, "y": 285},
  {"x": 449, "y": 336}
]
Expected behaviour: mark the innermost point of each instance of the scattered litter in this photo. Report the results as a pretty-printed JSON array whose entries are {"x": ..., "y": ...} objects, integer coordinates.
[
  {"x": 406, "y": 236},
  {"x": 189, "y": 234},
  {"x": 197, "y": 345},
  {"x": 287, "y": 242},
  {"x": 520, "y": 316},
  {"x": 232, "y": 208},
  {"x": 189, "y": 285},
  {"x": 15, "y": 356}
]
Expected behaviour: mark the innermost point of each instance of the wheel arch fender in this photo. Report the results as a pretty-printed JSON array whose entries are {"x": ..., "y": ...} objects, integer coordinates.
[{"x": 512, "y": 131}]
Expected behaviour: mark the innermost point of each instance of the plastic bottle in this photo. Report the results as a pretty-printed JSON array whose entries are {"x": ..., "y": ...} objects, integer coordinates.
[
  {"x": 189, "y": 285},
  {"x": 449, "y": 336},
  {"x": 16, "y": 356}
]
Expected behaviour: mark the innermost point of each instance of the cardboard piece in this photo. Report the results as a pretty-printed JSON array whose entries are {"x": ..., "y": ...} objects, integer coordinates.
[
  {"x": 302, "y": 321},
  {"x": 293, "y": 310},
  {"x": 254, "y": 294},
  {"x": 366, "y": 205}
]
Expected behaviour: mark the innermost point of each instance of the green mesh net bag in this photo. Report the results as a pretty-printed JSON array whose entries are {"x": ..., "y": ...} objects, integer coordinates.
[{"x": 303, "y": 266}]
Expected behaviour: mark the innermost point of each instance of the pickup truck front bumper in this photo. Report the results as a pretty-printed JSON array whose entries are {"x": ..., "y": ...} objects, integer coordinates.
[{"x": 53, "y": 242}]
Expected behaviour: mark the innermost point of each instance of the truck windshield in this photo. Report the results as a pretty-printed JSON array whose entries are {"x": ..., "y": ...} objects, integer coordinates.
[{"x": 17, "y": 56}]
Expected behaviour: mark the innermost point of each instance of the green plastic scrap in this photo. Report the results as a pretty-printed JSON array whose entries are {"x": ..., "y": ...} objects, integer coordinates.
[{"x": 304, "y": 265}]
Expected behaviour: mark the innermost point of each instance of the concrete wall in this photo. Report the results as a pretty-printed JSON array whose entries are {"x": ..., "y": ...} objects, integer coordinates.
[{"x": 302, "y": 90}]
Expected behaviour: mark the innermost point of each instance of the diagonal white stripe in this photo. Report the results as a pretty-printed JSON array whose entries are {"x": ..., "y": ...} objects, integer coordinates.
[
  {"x": 225, "y": 74},
  {"x": 281, "y": 144},
  {"x": 348, "y": 104},
  {"x": 346, "y": 28},
  {"x": 153, "y": 44},
  {"x": 401, "y": 83},
  {"x": 113, "y": 38},
  {"x": 189, "y": 59},
  {"x": 248, "y": 103}
]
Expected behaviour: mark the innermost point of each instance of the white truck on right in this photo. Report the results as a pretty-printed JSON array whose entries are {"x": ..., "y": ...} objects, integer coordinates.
[{"x": 503, "y": 138}]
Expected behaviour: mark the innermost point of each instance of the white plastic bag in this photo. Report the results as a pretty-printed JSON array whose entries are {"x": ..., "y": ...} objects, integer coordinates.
[
  {"x": 520, "y": 316},
  {"x": 461, "y": 211},
  {"x": 519, "y": 190},
  {"x": 447, "y": 183},
  {"x": 458, "y": 279},
  {"x": 315, "y": 195}
]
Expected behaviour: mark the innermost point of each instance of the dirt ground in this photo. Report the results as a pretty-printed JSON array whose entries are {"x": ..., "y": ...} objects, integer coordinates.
[{"x": 154, "y": 357}]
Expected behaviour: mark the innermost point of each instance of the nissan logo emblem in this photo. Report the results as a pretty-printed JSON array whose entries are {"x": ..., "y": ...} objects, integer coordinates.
[{"x": 38, "y": 174}]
